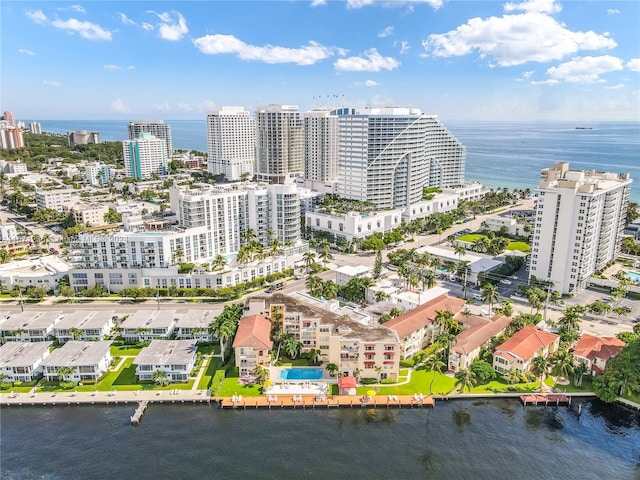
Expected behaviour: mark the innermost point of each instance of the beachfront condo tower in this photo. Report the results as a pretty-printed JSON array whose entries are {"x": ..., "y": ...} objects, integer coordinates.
[
  {"x": 144, "y": 156},
  {"x": 321, "y": 144},
  {"x": 279, "y": 144},
  {"x": 231, "y": 142},
  {"x": 388, "y": 155},
  {"x": 157, "y": 128},
  {"x": 580, "y": 217}
]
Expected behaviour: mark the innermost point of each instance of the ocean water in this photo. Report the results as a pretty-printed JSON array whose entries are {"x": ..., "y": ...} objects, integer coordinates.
[
  {"x": 455, "y": 440},
  {"x": 499, "y": 154}
]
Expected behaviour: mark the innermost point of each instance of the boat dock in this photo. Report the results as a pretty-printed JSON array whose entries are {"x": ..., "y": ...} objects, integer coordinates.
[
  {"x": 137, "y": 415},
  {"x": 337, "y": 401},
  {"x": 546, "y": 399}
]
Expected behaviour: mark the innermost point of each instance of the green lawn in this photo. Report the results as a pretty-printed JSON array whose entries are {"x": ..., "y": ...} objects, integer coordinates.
[
  {"x": 420, "y": 380},
  {"x": 471, "y": 237},
  {"x": 125, "y": 351},
  {"x": 211, "y": 367},
  {"x": 231, "y": 387},
  {"x": 521, "y": 246},
  {"x": 500, "y": 386},
  {"x": 209, "y": 349}
]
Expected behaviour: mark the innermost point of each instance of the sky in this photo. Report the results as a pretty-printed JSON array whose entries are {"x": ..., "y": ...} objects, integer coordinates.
[{"x": 465, "y": 60}]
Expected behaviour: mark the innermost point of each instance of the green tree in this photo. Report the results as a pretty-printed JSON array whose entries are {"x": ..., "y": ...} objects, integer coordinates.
[
  {"x": 540, "y": 368},
  {"x": 434, "y": 364},
  {"x": 490, "y": 295},
  {"x": 64, "y": 373},
  {"x": 562, "y": 363},
  {"x": 377, "y": 265},
  {"x": 465, "y": 380},
  {"x": 159, "y": 377},
  {"x": 292, "y": 347},
  {"x": 332, "y": 368}
]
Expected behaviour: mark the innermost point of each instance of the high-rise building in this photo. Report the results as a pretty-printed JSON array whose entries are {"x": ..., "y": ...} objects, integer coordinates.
[
  {"x": 35, "y": 128},
  {"x": 388, "y": 155},
  {"x": 231, "y": 140},
  {"x": 580, "y": 217},
  {"x": 10, "y": 137},
  {"x": 8, "y": 116},
  {"x": 82, "y": 137},
  {"x": 144, "y": 156},
  {"x": 279, "y": 143},
  {"x": 98, "y": 174},
  {"x": 157, "y": 128},
  {"x": 321, "y": 145}
]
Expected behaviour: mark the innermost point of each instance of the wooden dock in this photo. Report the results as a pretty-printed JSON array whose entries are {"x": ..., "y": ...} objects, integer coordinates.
[
  {"x": 337, "y": 401},
  {"x": 546, "y": 399},
  {"x": 137, "y": 415}
]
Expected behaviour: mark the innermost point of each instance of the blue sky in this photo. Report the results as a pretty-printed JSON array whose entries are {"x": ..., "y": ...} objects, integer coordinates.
[{"x": 462, "y": 60}]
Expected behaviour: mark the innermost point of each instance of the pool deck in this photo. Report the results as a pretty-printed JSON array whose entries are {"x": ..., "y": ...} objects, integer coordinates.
[{"x": 323, "y": 401}]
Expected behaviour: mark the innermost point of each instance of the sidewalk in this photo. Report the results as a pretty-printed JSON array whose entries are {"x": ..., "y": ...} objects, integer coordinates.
[{"x": 77, "y": 398}]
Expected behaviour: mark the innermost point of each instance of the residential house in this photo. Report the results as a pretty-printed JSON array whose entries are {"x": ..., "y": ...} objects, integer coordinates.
[
  {"x": 347, "y": 272},
  {"x": 176, "y": 358},
  {"x": 477, "y": 333},
  {"x": 21, "y": 361},
  {"x": 416, "y": 329},
  {"x": 84, "y": 325},
  {"x": 195, "y": 325},
  {"x": 89, "y": 360},
  {"x": 595, "y": 352},
  {"x": 29, "y": 326},
  {"x": 252, "y": 344},
  {"x": 147, "y": 325},
  {"x": 518, "y": 352}
]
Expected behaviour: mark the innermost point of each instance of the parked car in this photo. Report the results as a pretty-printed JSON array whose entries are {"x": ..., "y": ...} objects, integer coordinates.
[
  {"x": 505, "y": 281},
  {"x": 477, "y": 296}
]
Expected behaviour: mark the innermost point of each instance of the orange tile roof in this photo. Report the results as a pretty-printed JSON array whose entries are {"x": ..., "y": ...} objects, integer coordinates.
[
  {"x": 419, "y": 317},
  {"x": 479, "y": 333},
  {"x": 254, "y": 332},
  {"x": 347, "y": 382},
  {"x": 525, "y": 343},
  {"x": 591, "y": 347}
]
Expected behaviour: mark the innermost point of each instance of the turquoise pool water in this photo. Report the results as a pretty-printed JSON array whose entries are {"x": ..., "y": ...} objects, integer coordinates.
[
  {"x": 301, "y": 374},
  {"x": 635, "y": 277}
]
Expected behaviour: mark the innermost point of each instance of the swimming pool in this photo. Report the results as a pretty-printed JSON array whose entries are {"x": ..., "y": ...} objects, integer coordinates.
[
  {"x": 301, "y": 374},
  {"x": 633, "y": 276}
]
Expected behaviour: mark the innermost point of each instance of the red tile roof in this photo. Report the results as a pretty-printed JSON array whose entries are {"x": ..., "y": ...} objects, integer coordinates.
[
  {"x": 347, "y": 382},
  {"x": 254, "y": 332},
  {"x": 479, "y": 333},
  {"x": 419, "y": 317},
  {"x": 592, "y": 347},
  {"x": 527, "y": 342}
]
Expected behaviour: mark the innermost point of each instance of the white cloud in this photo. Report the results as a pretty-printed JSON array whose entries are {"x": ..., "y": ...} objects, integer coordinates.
[
  {"x": 612, "y": 11},
  {"x": 118, "y": 106},
  {"x": 26, "y": 51},
  {"x": 392, "y": 3},
  {"x": 371, "y": 62},
  {"x": 147, "y": 26},
  {"x": 170, "y": 29},
  {"x": 118, "y": 67},
  {"x": 87, "y": 30},
  {"x": 52, "y": 83},
  {"x": 161, "y": 106},
  {"x": 318, "y": 3},
  {"x": 78, "y": 8},
  {"x": 542, "y": 6},
  {"x": 386, "y": 32},
  {"x": 124, "y": 19},
  {"x": 615, "y": 87},
  {"x": 634, "y": 64},
  {"x": 305, "y": 55},
  {"x": 584, "y": 69},
  {"x": 37, "y": 16},
  {"x": 185, "y": 107},
  {"x": 404, "y": 47},
  {"x": 367, "y": 83},
  {"x": 532, "y": 36},
  {"x": 527, "y": 74}
]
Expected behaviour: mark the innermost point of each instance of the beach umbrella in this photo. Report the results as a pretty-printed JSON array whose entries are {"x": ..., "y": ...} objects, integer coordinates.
[
  {"x": 267, "y": 383},
  {"x": 371, "y": 393}
]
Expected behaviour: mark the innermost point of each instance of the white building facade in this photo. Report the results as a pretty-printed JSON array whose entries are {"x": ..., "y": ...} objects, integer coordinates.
[
  {"x": 580, "y": 218},
  {"x": 144, "y": 156},
  {"x": 98, "y": 174},
  {"x": 231, "y": 142},
  {"x": 321, "y": 145},
  {"x": 157, "y": 128}
]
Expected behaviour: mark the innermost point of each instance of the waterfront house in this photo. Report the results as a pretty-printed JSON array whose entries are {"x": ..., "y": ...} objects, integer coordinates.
[
  {"x": 416, "y": 329},
  {"x": 84, "y": 325},
  {"x": 22, "y": 361},
  {"x": 176, "y": 358},
  {"x": 477, "y": 333},
  {"x": 29, "y": 326},
  {"x": 145, "y": 325},
  {"x": 595, "y": 352},
  {"x": 88, "y": 360},
  {"x": 347, "y": 385},
  {"x": 195, "y": 325},
  {"x": 518, "y": 352},
  {"x": 252, "y": 344}
]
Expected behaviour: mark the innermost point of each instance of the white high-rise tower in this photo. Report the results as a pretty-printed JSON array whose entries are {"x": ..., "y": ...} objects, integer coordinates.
[
  {"x": 157, "y": 128},
  {"x": 231, "y": 140},
  {"x": 144, "y": 156},
  {"x": 321, "y": 144},
  {"x": 580, "y": 217}
]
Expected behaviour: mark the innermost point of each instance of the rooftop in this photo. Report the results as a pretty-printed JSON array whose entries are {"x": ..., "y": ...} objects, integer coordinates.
[
  {"x": 254, "y": 332},
  {"x": 167, "y": 352},
  {"x": 21, "y": 354},
  {"x": 592, "y": 347},
  {"x": 197, "y": 318},
  {"x": 407, "y": 323},
  {"x": 150, "y": 319},
  {"x": 479, "y": 332},
  {"x": 78, "y": 354},
  {"x": 30, "y": 320},
  {"x": 82, "y": 319},
  {"x": 526, "y": 342}
]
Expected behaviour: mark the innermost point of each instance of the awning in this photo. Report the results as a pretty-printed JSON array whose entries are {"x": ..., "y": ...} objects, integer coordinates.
[{"x": 389, "y": 362}]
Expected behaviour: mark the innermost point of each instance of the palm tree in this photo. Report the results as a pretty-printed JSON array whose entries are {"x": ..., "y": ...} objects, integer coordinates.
[
  {"x": 329, "y": 290},
  {"x": 248, "y": 236},
  {"x": 381, "y": 296},
  {"x": 428, "y": 280},
  {"x": 332, "y": 368},
  {"x": 46, "y": 239},
  {"x": 292, "y": 347},
  {"x": 325, "y": 256},
  {"x": 435, "y": 364},
  {"x": 540, "y": 367},
  {"x": 460, "y": 251},
  {"x": 218, "y": 263},
  {"x": 562, "y": 363},
  {"x": 627, "y": 378},
  {"x": 314, "y": 285},
  {"x": 314, "y": 356},
  {"x": 261, "y": 374},
  {"x": 378, "y": 370},
  {"x": 159, "y": 377},
  {"x": 309, "y": 259},
  {"x": 579, "y": 372},
  {"x": 490, "y": 294},
  {"x": 356, "y": 373},
  {"x": 465, "y": 380},
  {"x": 76, "y": 333},
  {"x": 63, "y": 373},
  {"x": 222, "y": 328}
]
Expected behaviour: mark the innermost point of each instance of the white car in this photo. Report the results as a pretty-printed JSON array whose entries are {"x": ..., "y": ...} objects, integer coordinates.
[{"x": 505, "y": 282}]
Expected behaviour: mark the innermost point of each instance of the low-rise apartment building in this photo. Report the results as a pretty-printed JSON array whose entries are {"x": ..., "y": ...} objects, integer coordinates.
[
  {"x": 194, "y": 325},
  {"x": 145, "y": 325},
  {"x": 29, "y": 326},
  {"x": 21, "y": 361},
  {"x": 595, "y": 352},
  {"x": 84, "y": 325},
  {"x": 252, "y": 344},
  {"x": 176, "y": 358},
  {"x": 59, "y": 199},
  {"x": 88, "y": 360},
  {"x": 517, "y": 353}
]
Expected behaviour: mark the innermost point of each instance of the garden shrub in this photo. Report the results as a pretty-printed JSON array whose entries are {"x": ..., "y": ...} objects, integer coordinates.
[
  {"x": 368, "y": 381},
  {"x": 407, "y": 363},
  {"x": 386, "y": 381}
]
